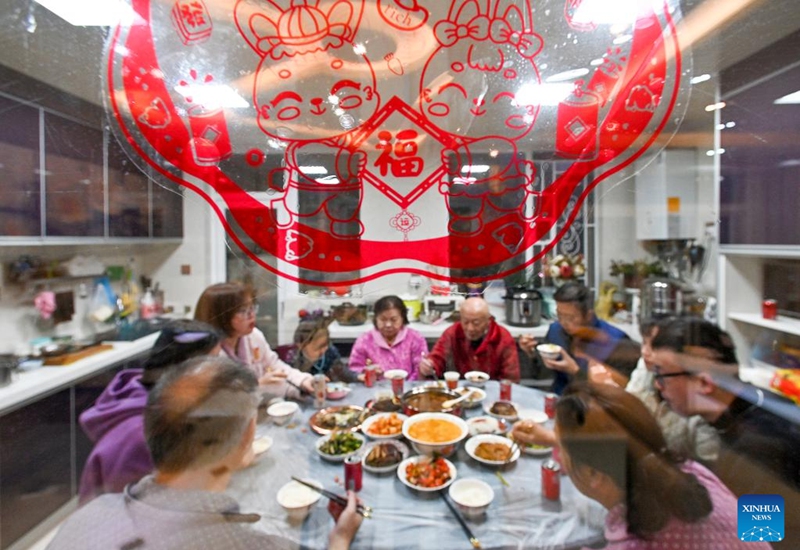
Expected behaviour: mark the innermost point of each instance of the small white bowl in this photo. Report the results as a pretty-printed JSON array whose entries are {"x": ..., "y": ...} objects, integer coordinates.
[
  {"x": 282, "y": 412},
  {"x": 472, "y": 496},
  {"x": 549, "y": 351},
  {"x": 297, "y": 499},
  {"x": 261, "y": 445},
  {"x": 401, "y": 474},
  {"x": 476, "y": 378},
  {"x": 336, "y": 390},
  {"x": 367, "y": 424},
  {"x": 338, "y": 458},
  {"x": 486, "y": 425}
]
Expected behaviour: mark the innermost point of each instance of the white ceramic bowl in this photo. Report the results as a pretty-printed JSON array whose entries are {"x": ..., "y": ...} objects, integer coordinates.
[
  {"x": 297, "y": 499},
  {"x": 473, "y": 442},
  {"x": 444, "y": 448},
  {"x": 282, "y": 412},
  {"x": 338, "y": 458},
  {"x": 476, "y": 378},
  {"x": 472, "y": 496},
  {"x": 401, "y": 474},
  {"x": 478, "y": 396},
  {"x": 540, "y": 417},
  {"x": 402, "y": 447},
  {"x": 486, "y": 425},
  {"x": 261, "y": 445},
  {"x": 336, "y": 390},
  {"x": 549, "y": 351},
  {"x": 368, "y": 423}
]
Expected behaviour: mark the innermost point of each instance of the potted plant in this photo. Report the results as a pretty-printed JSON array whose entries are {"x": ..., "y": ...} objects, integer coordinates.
[{"x": 633, "y": 273}]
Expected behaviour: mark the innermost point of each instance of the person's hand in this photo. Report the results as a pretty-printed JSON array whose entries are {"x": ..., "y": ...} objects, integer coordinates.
[
  {"x": 599, "y": 374},
  {"x": 527, "y": 343},
  {"x": 308, "y": 385},
  {"x": 532, "y": 433},
  {"x": 348, "y": 520},
  {"x": 426, "y": 367},
  {"x": 272, "y": 377},
  {"x": 564, "y": 363}
]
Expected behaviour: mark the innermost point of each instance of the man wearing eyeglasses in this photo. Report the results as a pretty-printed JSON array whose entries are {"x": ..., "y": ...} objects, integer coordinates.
[
  {"x": 583, "y": 338},
  {"x": 696, "y": 373}
]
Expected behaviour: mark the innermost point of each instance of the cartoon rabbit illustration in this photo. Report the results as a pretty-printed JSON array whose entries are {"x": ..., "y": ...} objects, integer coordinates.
[
  {"x": 469, "y": 88},
  {"x": 312, "y": 88}
]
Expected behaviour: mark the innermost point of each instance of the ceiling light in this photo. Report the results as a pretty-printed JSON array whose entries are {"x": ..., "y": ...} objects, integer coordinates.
[
  {"x": 600, "y": 12},
  {"x": 700, "y": 78},
  {"x": 622, "y": 39},
  {"x": 212, "y": 96},
  {"x": 596, "y": 62},
  {"x": 313, "y": 170},
  {"x": 91, "y": 13},
  {"x": 715, "y": 106},
  {"x": 567, "y": 75},
  {"x": 789, "y": 99},
  {"x": 475, "y": 169},
  {"x": 730, "y": 124},
  {"x": 543, "y": 94},
  {"x": 789, "y": 163}
]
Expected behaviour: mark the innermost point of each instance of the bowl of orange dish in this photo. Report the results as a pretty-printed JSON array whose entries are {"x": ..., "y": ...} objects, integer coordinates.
[
  {"x": 384, "y": 426},
  {"x": 435, "y": 433}
]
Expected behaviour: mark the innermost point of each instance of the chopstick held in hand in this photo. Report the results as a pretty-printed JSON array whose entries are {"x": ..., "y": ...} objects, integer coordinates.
[{"x": 365, "y": 511}]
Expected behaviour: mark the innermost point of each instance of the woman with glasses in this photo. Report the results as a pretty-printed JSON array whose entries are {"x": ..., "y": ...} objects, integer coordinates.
[
  {"x": 615, "y": 453},
  {"x": 391, "y": 344},
  {"x": 231, "y": 308}
]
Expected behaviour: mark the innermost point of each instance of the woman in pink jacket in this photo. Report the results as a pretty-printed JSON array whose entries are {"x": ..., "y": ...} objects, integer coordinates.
[
  {"x": 392, "y": 344},
  {"x": 231, "y": 307}
]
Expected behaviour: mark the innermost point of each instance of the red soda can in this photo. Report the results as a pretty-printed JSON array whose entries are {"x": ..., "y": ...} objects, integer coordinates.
[
  {"x": 505, "y": 390},
  {"x": 370, "y": 375},
  {"x": 353, "y": 473},
  {"x": 550, "y": 404},
  {"x": 769, "y": 309},
  {"x": 551, "y": 480}
]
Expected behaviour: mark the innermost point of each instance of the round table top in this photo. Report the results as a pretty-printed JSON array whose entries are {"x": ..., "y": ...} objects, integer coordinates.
[{"x": 519, "y": 516}]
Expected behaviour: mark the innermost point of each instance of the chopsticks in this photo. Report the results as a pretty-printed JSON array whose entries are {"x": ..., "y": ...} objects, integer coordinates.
[
  {"x": 472, "y": 540},
  {"x": 365, "y": 511}
]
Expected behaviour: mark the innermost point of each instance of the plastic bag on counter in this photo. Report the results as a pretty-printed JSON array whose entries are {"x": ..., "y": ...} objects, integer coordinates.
[{"x": 103, "y": 306}]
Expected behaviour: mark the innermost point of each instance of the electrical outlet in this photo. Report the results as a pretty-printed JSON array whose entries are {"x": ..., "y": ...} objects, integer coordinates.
[{"x": 186, "y": 269}]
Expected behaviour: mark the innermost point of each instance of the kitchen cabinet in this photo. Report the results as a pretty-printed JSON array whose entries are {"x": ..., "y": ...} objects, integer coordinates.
[
  {"x": 741, "y": 291},
  {"x": 63, "y": 178},
  {"x": 42, "y": 447}
]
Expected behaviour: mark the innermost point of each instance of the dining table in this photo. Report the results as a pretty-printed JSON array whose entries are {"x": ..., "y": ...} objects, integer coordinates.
[{"x": 403, "y": 518}]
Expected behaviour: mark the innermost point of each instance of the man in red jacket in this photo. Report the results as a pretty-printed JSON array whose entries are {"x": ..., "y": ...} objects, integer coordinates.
[{"x": 476, "y": 342}]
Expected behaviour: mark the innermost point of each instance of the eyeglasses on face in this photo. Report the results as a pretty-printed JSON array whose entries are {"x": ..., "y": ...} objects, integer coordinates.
[
  {"x": 247, "y": 311},
  {"x": 659, "y": 376}
]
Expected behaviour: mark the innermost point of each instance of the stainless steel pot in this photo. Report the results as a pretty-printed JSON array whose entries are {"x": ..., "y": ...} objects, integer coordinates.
[
  {"x": 662, "y": 297},
  {"x": 429, "y": 399},
  {"x": 523, "y": 307}
]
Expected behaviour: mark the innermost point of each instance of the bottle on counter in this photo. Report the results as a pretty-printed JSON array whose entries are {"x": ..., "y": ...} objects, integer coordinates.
[{"x": 147, "y": 306}]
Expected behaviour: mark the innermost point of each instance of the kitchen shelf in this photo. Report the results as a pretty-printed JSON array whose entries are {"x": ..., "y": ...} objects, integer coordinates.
[{"x": 781, "y": 324}]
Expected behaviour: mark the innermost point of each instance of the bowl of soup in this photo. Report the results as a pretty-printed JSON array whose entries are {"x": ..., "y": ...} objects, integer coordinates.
[
  {"x": 429, "y": 399},
  {"x": 435, "y": 433}
]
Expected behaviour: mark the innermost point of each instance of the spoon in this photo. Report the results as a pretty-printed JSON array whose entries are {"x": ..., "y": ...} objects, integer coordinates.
[{"x": 450, "y": 402}]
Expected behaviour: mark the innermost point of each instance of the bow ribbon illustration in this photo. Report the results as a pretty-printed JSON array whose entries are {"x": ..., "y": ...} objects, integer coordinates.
[
  {"x": 528, "y": 43},
  {"x": 448, "y": 33}
]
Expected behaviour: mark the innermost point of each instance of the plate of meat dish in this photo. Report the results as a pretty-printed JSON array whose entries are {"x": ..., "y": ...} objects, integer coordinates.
[
  {"x": 507, "y": 410},
  {"x": 343, "y": 418},
  {"x": 494, "y": 450},
  {"x": 381, "y": 457}
]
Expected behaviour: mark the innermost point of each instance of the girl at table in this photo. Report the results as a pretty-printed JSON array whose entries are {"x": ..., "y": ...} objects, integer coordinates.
[
  {"x": 615, "y": 453},
  {"x": 231, "y": 307},
  {"x": 314, "y": 353},
  {"x": 392, "y": 344}
]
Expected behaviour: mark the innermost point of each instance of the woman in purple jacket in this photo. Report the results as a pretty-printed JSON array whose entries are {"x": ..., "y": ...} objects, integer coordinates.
[
  {"x": 392, "y": 344},
  {"x": 115, "y": 422}
]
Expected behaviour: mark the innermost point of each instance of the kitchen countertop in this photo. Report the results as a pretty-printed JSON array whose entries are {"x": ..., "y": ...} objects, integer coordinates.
[{"x": 30, "y": 385}]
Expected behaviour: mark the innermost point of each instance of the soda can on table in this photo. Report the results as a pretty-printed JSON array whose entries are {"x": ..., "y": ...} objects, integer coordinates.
[
  {"x": 550, "y": 401},
  {"x": 370, "y": 375},
  {"x": 320, "y": 390},
  {"x": 505, "y": 390},
  {"x": 551, "y": 480},
  {"x": 353, "y": 473}
]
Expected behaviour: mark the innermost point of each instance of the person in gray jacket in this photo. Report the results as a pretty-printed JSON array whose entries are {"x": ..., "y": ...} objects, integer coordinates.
[{"x": 200, "y": 421}]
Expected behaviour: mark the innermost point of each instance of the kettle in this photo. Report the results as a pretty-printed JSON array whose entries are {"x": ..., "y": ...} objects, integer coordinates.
[{"x": 523, "y": 307}]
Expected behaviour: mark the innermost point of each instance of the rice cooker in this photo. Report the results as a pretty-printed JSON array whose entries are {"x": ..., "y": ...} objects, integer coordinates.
[{"x": 523, "y": 307}]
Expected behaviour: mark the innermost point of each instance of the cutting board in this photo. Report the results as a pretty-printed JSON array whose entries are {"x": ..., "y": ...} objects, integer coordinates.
[{"x": 71, "y": 357}]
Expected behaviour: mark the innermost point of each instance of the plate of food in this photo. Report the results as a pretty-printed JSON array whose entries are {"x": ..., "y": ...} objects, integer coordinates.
[
  {"x": 487, "y": 425},
  {"x": 507, "y": 410},
  {"x": 341, "y": 418},
  {"x": 494, "y": 450},
  {"x": 384, "y": 404},
  {"x": 381, "y": 457},
  {"x": 540, "y": 417},
  {"x": 532, "y": 449},
  {"x": 476, "y": 396},
  {"x": 426, "y": 474},
  {"x": 338, "y": 446},
  {"x": 384, "y": 425},
  {"x": 336, "y": 390}
]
